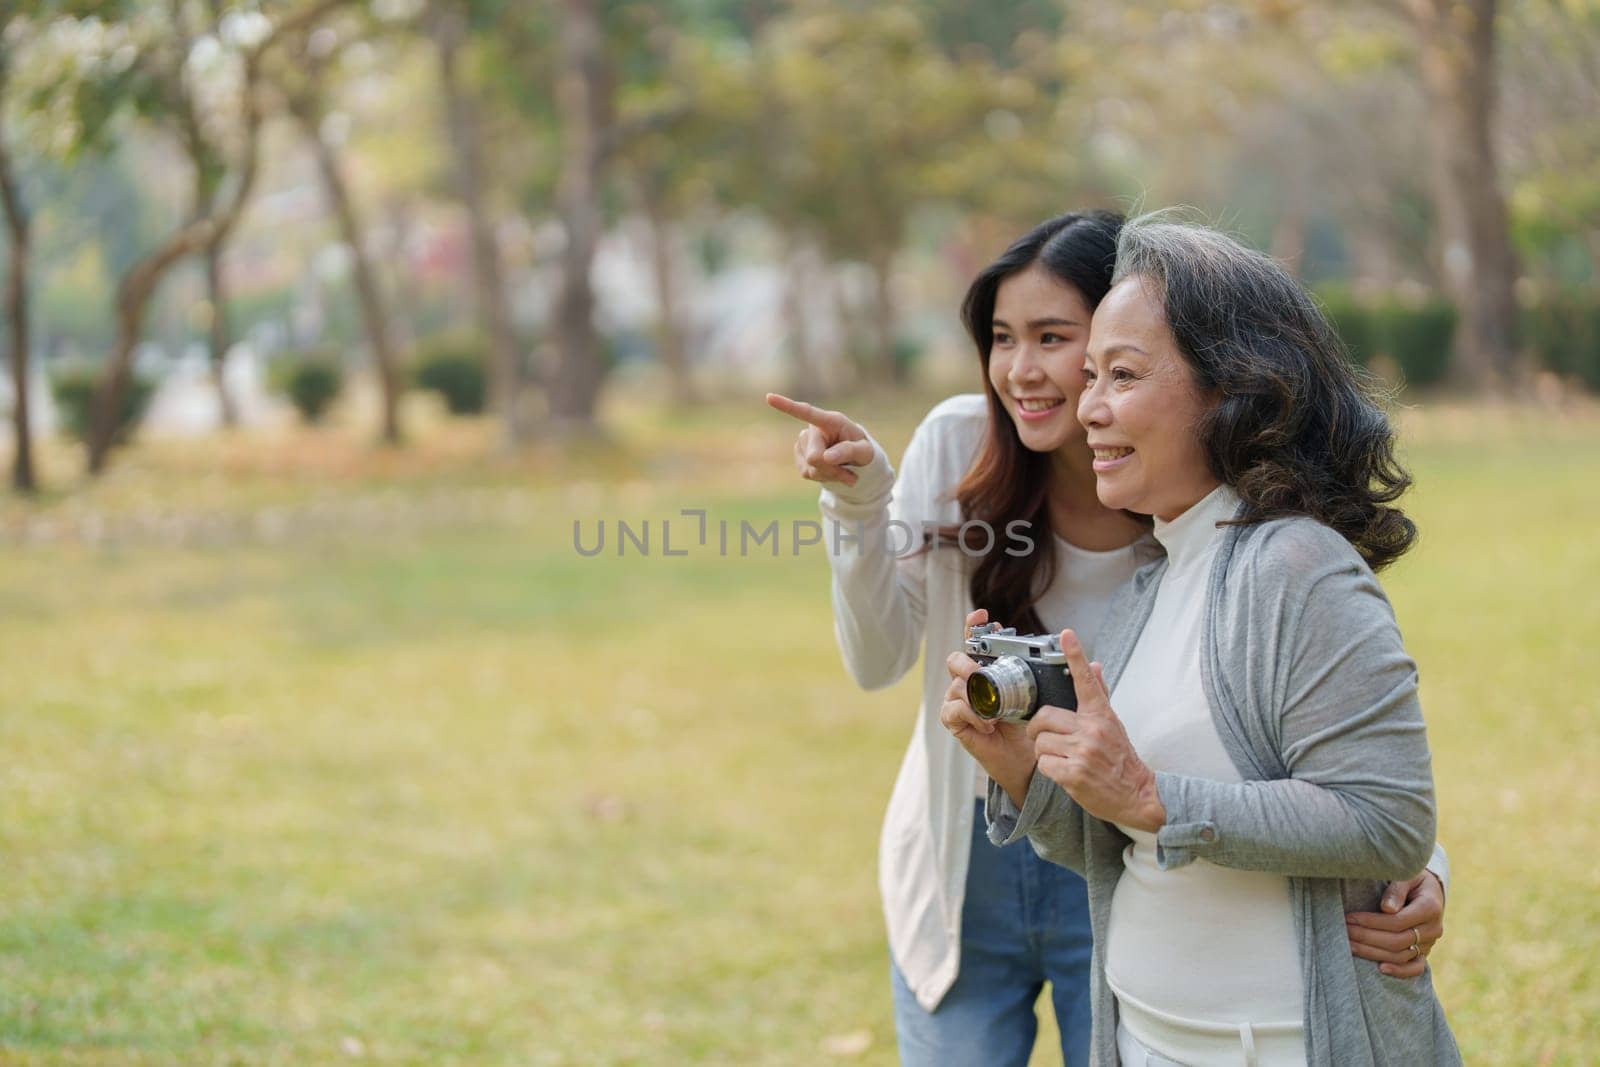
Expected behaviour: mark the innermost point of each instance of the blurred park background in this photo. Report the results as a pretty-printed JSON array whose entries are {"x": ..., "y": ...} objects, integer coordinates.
[{"x": 328, "y": 325}]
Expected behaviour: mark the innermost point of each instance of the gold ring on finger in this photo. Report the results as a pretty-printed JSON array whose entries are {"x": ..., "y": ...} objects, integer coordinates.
[{"x": 1416, "y": 938}]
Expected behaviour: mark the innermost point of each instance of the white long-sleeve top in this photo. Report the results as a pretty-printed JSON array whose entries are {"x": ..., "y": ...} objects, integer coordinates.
[
  {"x": 1165, "y": 923},
  {"x": 886, "y": 612}
]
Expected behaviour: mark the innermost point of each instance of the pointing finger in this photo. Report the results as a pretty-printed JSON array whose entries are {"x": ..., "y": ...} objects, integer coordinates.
[{"x": 821, "y": 418}]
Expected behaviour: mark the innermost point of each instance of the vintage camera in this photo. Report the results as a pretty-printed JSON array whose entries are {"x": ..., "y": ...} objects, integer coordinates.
[{"x": 1020, "y": 673}]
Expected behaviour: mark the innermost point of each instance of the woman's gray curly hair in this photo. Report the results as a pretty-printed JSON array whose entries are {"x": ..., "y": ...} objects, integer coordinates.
[{"x": 1297, "y": 429}]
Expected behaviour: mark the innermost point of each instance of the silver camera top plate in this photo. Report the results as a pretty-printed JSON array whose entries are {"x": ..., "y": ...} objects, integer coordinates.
[{"x": 993, "y": 640}]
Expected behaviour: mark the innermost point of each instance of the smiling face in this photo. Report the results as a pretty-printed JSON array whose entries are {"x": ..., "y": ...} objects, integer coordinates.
[
  {"x": 1041, "y": 326},
  {"x": 1140, "y": 406}
]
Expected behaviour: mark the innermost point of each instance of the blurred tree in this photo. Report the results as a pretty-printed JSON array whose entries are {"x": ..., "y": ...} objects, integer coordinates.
[
  {"x": 514, "y": 51},
  {"x": 1550, "y": 74},
  {"x": 672, "y": 62},
  {"x": 145, "y": 60},
  {"x": 854, "y": 120},
  {"x": 660, "y": 148},
  {"x": 20, "y": 234},
  {"x": 961, "y": 27},
  {"x": 448, "y": 22},
  {"x": 303, "y": 81},
  {"x": 383, "y": 78},
  {"x": 1305, "y": 117},
  {"x": 585, "y": 106},
  {"x": 159, "y": 89},
  {"x": 1456, "y": 48},
  {"x": 209, "y": 163},
  {"x": 19, "y": 24}
]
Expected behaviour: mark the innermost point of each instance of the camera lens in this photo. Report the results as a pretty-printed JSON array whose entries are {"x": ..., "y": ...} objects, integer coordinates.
[
  {"x": 1002, "y": 690},
  {"x": 982, "y": 695}
]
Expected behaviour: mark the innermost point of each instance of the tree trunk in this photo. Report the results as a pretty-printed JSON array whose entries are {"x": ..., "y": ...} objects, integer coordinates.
[
  {"x": 210, "y": 226},
  {"x": 370, "y": 297},
  {"x": 488, "y": 278},
  {"x": 884, "y": 368},
  {"x": 849, "y": 323},
  {"x": 19, "y": 227},
  {"x": 669, "y": 335},
  {"x": 1457, "y": 42},
  {"x": 133, "y": 301},
  {"x": 804, "y": 380},
  {"x": 221, "y": 341},
  {"x": 583, "y": 103},
  {"x": 406, "y": 307}
]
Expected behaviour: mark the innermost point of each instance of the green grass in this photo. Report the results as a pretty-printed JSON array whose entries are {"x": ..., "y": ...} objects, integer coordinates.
[{"x": 445, "y": 792}]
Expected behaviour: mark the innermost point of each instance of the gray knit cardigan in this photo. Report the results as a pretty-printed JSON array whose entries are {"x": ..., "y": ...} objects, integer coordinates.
[{"x": 1315, "y": 701}]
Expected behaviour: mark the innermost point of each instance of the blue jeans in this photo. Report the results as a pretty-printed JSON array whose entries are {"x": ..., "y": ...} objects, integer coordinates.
[{"x": 1025, "y": 922}]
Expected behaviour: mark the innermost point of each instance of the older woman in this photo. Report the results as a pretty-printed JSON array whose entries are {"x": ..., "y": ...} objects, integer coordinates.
[{"x": 1249, "y": 761}]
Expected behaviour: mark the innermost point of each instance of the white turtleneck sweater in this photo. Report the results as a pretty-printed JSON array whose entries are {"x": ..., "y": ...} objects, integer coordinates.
[{"x": 1195, "y": 951}]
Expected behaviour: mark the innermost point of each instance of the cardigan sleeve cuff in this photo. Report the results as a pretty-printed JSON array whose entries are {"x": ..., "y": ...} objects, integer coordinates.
[
  {"x": 1185, "y": 837},
  {"x": 1439, "y": 864},
  {"x": 1005, "y": 823}
]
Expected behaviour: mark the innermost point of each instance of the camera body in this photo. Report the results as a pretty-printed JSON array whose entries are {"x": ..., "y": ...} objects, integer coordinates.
[{"x": 1021, "y": 673}]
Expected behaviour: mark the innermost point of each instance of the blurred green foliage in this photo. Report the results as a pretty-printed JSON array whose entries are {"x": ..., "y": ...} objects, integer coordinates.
[
  {"x": 1414, "y": 335},
  {"x": 1563, "y": 333},
  {"x": 1355, "y": 324},
  {"x": 311, "y": 380},
  {"x": 73, "y": 388},
  {"x": 453, "y": 366},
  {"x": 1417, "y": 337}
]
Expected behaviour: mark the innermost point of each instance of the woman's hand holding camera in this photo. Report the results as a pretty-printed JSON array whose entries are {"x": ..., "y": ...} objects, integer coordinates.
[
  {"x": 1002, "y": 748},
  {"x": 1087, "y": 752},
  {"x": 829, "y": 444}
]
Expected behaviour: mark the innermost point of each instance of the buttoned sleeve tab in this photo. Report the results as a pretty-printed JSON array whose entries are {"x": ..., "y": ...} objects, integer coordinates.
[
  {"x": 1180, "y": 845},
  {"x": 1188, "y": 835}
]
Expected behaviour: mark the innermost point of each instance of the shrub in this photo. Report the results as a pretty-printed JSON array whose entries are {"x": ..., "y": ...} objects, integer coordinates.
[
  {"x": 455, "y": 368},
  {"x": 73, "y": 390},
  {"x": 1418, "y": 339},
  {"x": 907, "y": 353},
  {"x": 1564, "y": 335},
  {"x": 1355, "y": 323},
  {"x": 311, "y": 381}
]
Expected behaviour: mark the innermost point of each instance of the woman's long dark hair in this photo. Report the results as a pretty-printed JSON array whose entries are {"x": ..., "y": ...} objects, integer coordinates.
[
  {"x": 1007, "y": 480},
  {"x": 1297, "y": 430}
]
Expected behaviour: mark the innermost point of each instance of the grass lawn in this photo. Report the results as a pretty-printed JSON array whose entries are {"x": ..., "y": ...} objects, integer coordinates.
[{"x": 315, "y": 754}]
